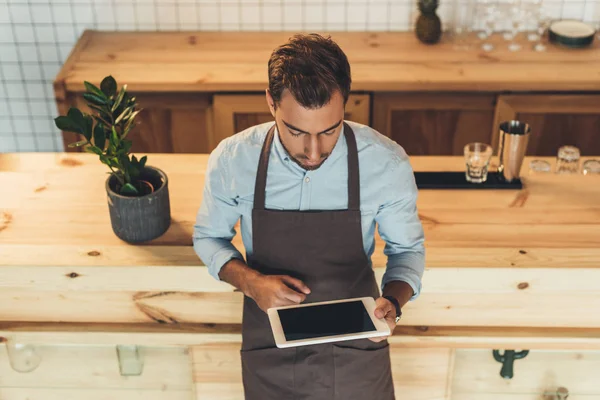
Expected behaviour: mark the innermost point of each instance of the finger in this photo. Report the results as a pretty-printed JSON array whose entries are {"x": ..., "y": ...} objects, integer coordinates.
[
  {"x": 292, "y": 295},
  {"x": 296, "y": 283}
]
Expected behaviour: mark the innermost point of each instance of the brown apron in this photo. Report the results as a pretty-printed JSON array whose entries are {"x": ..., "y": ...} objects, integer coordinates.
[{"x": 324, "y": 249}]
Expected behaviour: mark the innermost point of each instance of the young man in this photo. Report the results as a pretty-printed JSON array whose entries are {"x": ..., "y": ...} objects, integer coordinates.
[{"x": 308, "y": 190}]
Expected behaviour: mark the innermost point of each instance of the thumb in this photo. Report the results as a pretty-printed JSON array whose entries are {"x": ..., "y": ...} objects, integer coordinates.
[{"x": 383, "y": 307}]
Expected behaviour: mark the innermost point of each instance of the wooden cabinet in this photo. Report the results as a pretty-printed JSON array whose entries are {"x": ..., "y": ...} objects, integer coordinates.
[
  {"x": 170, "y": 123},
  {"x": 234, "y": 113},
  {"x": 555, "y": 120},
  {"x": 436, "y": 123}
]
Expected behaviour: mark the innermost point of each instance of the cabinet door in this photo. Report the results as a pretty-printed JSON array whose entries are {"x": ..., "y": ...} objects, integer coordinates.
[
  {"x": 555, "y": 120},
  {"x": 234, "y": 113},
  {"x": 434, "y": 124},
  {"x": 170, "y": 123}
]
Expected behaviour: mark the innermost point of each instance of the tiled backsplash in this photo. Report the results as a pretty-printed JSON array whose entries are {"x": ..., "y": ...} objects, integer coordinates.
[{"x": 36, "y": 36}]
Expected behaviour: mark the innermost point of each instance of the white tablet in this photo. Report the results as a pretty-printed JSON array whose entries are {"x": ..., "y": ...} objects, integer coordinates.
[{"x": 328, "y": 321}]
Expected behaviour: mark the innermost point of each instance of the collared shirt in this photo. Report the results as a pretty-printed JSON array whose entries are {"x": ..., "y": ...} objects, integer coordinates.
[{"x": 388, "y": 195}]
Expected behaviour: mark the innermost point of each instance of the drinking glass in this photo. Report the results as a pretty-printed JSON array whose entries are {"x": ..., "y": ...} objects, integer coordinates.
[
  {"x": 477, "y": 161},
  {"x": 567, "y": 160},
  {"x": 591, "y": 167},
  {"x": 537, "y": 166},
  {"x": 22, "y": 357}
]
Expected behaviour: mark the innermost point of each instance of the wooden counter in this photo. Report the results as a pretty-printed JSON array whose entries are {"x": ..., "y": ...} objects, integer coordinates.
[
  {"x": 501, "y": 265},
  {"x": 381, "y": 61},
  {"x": 197, "y": 88}
]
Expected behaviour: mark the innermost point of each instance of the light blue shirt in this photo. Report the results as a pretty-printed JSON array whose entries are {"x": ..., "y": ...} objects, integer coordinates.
[{"x": 388, "y": 195}]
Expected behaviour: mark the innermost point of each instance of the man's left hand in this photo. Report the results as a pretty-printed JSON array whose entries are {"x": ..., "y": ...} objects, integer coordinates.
[{"x": 385, "y": 309}]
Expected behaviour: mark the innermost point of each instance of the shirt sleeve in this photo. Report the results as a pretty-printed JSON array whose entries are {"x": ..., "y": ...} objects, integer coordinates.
[
  {"x": 400, "y": 227},
  {"x": 216, "y": 217}
]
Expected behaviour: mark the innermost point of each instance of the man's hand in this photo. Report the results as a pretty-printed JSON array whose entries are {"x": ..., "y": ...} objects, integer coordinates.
[
  {"x": 385, "y": 309},
  {"x": 276, "y": 290},
  {"x": 266, "y": 290}
]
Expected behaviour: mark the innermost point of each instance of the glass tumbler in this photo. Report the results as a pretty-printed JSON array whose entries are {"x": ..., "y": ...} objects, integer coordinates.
[
  {"x": 591, "y": 167},
  {"x": 567, "y": 160},
  {"x": 477, "y": 161}
]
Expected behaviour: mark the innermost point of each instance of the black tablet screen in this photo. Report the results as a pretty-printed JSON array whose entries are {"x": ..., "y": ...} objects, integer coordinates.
[{"x": 325, "y": 320}]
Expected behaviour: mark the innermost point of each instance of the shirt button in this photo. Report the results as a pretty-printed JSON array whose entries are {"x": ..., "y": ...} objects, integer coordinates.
[{"x": 307, "y": 179}]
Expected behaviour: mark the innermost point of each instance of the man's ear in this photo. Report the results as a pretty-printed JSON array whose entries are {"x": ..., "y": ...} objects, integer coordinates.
[{"x": 270, "y": 102}]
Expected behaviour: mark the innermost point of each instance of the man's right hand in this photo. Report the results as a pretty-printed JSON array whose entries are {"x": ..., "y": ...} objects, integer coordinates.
[
  {"x": 266, "y": 290},
  {"x": 276, "y": 291}
]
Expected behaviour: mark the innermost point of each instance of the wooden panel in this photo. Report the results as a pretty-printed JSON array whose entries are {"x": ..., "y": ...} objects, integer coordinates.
[
  {"x": 234, "y": 113},
  {"x": 434, "y": 124},
  {"x": 476, "y": 375},
  {"x": 169, "y": 123},
  {"x": 92, "y": 372},
  {"x": 247, "y": 120},
  {"x": 419, "y": 374},
  {"x": 556, "y": 120},
  {"x": 551, "y": 131}
]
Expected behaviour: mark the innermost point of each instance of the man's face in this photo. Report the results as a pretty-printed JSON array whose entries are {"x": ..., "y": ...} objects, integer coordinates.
[{"x": 309, "y": 136}]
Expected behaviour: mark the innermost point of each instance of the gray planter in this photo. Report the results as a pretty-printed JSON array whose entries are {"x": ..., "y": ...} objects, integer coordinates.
[{"x": 139, "y": 219}]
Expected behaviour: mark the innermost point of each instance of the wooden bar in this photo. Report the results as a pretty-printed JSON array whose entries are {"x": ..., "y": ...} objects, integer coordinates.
[{"x": 497, "y": 260}]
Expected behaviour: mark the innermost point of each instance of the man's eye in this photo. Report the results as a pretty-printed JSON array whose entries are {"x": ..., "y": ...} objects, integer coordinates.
[
  {"x": 295, "y": 133},
  {"x": 328, "y": 133}
]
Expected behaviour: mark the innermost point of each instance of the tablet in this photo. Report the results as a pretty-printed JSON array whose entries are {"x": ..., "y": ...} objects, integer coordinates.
[{"x": 328, "y": 321}]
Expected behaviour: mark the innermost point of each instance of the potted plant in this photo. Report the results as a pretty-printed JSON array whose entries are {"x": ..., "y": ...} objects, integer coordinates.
[{"x": 137, "y": 194}]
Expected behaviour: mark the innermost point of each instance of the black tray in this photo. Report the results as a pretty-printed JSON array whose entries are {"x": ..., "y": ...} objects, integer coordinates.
[{"x": 457, "y": 180}]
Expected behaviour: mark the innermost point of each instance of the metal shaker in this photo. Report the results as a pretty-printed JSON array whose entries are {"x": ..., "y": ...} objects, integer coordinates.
[{"x": 514, "y": 136}]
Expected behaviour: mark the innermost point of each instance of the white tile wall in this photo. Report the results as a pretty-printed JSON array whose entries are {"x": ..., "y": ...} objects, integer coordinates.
[{"x": 36, "y": 37}]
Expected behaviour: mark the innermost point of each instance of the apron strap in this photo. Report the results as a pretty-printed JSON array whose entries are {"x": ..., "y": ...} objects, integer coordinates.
[{"x": 353, "y": 172}]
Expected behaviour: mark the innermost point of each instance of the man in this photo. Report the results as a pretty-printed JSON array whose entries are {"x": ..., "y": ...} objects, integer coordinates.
[{"x": 307, "y": 216}]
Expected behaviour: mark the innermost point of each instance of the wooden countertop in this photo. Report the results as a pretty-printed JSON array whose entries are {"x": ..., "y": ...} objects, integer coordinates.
[
  {"x": 501, "y": 259},
  {"x": 56, "y": 213},
  {"x": 237, "y": 61}
]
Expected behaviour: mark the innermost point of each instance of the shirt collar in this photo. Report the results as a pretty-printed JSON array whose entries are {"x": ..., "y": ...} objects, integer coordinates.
[{"x": 340, "y": 149}]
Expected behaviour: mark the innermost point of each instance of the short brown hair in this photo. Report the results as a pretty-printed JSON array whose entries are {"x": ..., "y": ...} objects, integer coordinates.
[{"x": 312, "y": 68}]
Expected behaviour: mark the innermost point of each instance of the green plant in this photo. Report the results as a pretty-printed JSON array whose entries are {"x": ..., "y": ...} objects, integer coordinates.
[{"x": 105, "y": 132}]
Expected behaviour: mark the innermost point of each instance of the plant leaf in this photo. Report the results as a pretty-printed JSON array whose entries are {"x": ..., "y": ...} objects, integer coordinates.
[
  {"x": 109, "y": 86},
  {"x": 66, "y": 124},
  {"x": 77, "y": 117},
  {"x": 88, "y": 125},
  {"x": 99, "y": 136},
  {"x": 143, "y": 162},
  {"x": 93, "y": 89},
  {"x": 94, "y": 150},
  {"x": 119, "y": 98},
  {"x": 78, "y": 144},
  {"x": 124, "y": 115},
  {"x": 128, "y": 189},
  {"x": 92, "y": 98}
]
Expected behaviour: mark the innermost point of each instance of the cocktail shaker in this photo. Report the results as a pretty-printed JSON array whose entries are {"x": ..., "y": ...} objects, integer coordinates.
[{"x": 514, "y": 136}]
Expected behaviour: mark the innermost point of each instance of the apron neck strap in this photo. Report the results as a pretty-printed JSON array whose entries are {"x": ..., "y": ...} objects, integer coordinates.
[{"x": 353, "y": 174}]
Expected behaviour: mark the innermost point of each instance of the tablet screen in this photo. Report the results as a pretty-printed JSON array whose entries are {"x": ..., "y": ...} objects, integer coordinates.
[{"x": 325, "y": 320}]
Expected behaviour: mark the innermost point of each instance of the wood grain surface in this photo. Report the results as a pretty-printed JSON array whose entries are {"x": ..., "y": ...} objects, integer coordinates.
[{"x": 382, "y": 61}]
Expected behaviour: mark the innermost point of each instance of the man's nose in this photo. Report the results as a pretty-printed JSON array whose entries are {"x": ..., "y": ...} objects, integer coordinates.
[{"x": 313, "y": 148}]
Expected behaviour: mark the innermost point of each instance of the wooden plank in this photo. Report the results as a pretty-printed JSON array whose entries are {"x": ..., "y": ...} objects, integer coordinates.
[
  {"x": 150, "y": 334},
  {"x": 511, "y": 303},
  {"x": 420, "y": 374},
  {"x": 368, "y": 76},
  {"x": 81, "y": 369},
  {"x": 230, "y": 61},
  {"x": 477, "y": 374},
  {"x": 96, "y": 394}
]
